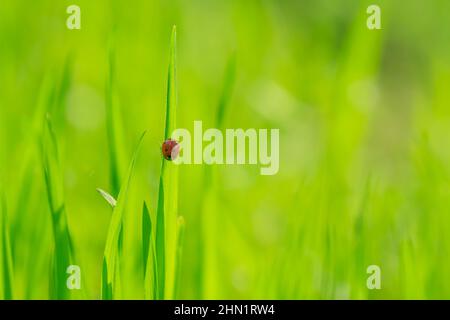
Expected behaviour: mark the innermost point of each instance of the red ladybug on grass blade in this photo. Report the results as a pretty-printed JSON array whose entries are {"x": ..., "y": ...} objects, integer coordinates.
[{"x": 170, "y": 149}]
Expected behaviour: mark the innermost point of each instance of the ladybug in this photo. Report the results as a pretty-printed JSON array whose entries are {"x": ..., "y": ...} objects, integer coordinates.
[{"x": 170, "y": 149}]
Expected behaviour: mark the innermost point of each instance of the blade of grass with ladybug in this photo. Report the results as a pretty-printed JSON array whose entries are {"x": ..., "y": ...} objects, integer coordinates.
[{"x": 166, "y": 251}]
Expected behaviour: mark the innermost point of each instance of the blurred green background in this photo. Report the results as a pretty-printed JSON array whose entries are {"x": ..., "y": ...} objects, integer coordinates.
[{"x": 364, "y": 123}]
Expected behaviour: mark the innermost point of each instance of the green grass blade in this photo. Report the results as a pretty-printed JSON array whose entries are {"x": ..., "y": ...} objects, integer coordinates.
[
  {"x": 168, "y": 192},
  {"x": 6, "y": 269},
  {"x": 60, "y": 88},
  {"x": 172, "y": 89},
  {"x": 107, "y": 287},
  {"x": 146, "y": 234},
  {"x": 114, "y": 127},
  {"x": 228, "y": 84},
  {"x": 112, "y": 247},
  {"x": 149, "y": 255},
  {"x": 160, "y": 241},
  {"x": 23, "y": 220},
  {"x": 62, "y": 241}
]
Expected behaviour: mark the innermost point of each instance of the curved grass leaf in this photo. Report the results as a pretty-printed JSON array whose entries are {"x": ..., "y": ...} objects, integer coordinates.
[{"x": 110, "y": 274}]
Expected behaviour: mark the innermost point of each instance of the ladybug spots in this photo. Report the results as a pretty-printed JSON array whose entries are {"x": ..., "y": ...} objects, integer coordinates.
[{"x": 170, "y": 149}]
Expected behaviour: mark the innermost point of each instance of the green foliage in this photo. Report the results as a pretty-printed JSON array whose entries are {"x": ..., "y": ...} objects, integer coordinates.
[{"x": 364, "y": 163}]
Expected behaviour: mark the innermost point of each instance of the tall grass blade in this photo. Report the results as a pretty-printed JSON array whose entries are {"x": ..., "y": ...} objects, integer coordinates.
[
  {"x": 172, "y": 87},
  {"x": 168, "y": 193},
  {"x": 24, "y": 221},
  {"x": 149, "y": 255},
  {"x": 112, "y": 248},
  {"x": 55, "y": 190},
  {"x": 146, "y": 233},
  {"x": 117, "y": 155},
  {"x": 160, "y": 240},
  {"x": 6, "y": 268}
]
